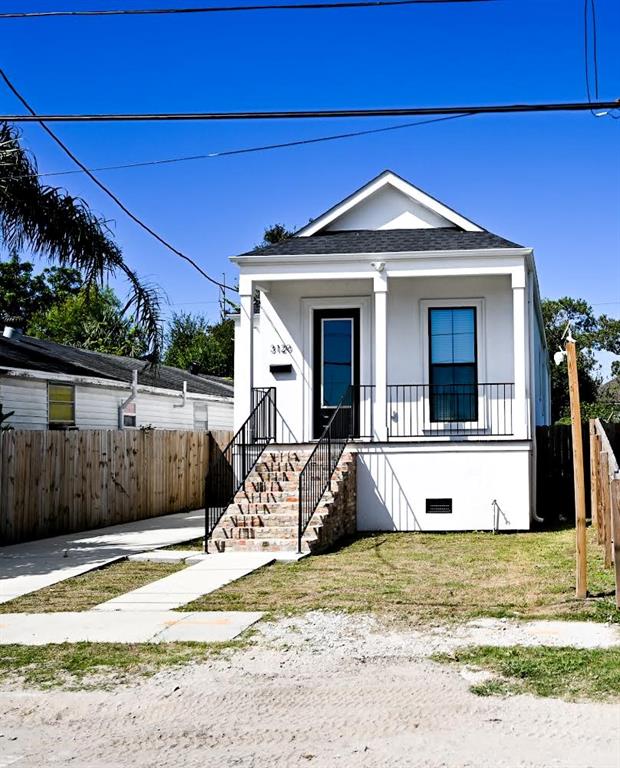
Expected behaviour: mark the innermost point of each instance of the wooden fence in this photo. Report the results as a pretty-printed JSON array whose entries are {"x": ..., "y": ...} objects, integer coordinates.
[
  {"x": 555, "y": 490},
  {"x": 605, "y": 492},
  {"x": 54, "y": 482}
]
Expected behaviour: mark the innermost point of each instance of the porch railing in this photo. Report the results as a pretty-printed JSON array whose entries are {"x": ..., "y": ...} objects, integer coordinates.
[
  {"x": 316, "y": 475},
  {"x": 436, "y": 410},
  {"x": 228, "y": 468}
]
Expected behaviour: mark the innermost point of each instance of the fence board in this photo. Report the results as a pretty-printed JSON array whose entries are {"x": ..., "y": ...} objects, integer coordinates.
[
  {"x": 554, "y": 474},
  {"x": 54, "y": 482}
]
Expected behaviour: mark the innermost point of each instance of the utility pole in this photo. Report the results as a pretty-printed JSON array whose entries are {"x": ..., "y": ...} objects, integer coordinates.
[{"x": 578, "y": 476}]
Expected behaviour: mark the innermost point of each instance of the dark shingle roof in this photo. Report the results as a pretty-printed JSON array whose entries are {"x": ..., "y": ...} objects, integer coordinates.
[
  {"x": 385, "y": 241},
  {"x": 49, "y": 357}
]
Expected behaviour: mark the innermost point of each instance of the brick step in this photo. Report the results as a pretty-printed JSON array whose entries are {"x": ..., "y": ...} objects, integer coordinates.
[
  {"x": 262, "y": 486},
  {"x": 268, "y": 497},
  {"x": 285, "y": 455},
  {"x": 262, "y": 545},
  {"x": 276, "y": 519},
  {"x": 261, "y": 520},
  {"x": 255, "y": 532},
  {"x": 279, "y": 466},
  {"x": 261, "y": 508},
  {"x": 273, "y": 477}
]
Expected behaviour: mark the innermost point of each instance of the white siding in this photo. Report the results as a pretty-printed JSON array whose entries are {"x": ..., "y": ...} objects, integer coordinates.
[
  {"x": 220, "y": 415},
  {"x": 96, "y": 407},
  {"x": 393, "y": 484},
  {"x": 389, "y": 209},
  {"x": 29, "y": 401}
]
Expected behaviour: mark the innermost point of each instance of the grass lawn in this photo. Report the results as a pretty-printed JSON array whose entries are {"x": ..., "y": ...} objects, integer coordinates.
[
  {"x": 432, "y": 578},
  {"x": 569, "y": 673},
  {"x": 94, "y": 665},
  {"x": 83, "y": 592}
]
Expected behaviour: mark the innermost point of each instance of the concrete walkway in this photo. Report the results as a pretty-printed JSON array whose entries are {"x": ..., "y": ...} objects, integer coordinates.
[
  {"x": 33, "y": 565},
  {"x": 124, "y": 627},
  {"x": 210, "y": 573}
]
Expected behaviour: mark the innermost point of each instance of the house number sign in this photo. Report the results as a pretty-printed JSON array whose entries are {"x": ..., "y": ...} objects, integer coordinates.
[{"x": 281, "y": 349}]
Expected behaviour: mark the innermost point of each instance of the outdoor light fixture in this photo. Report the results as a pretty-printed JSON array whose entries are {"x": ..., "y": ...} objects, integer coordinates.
[
  {"x": 559, "y": 356},
  {"x": 378, "y": 265}
]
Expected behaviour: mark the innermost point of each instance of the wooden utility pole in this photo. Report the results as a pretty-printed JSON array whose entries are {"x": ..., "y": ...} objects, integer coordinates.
[{"x": 580, "y": 493}]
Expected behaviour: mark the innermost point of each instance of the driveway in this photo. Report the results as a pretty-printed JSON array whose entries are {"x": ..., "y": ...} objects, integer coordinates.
[{"x": 33, "y": 565}]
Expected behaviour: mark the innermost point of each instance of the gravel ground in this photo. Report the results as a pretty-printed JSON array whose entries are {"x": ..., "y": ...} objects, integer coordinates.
[{"x": 324, "y": 690}]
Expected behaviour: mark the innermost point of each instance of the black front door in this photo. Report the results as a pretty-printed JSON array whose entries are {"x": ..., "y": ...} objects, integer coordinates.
[{"x": 336, "y": 365}]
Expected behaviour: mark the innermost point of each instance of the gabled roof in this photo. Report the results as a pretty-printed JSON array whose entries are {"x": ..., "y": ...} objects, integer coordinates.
[
  {"x": 395, "y": 217},
  {"x": 385, "y": 241},
  {"x": 26, "y": 352},
  {"x": 387, "y": 179}
]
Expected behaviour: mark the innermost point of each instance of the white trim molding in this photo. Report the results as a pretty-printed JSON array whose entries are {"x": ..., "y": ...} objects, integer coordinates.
[
  {"x": 366, "y": 344},
  {"x": 387, "y": 178}
]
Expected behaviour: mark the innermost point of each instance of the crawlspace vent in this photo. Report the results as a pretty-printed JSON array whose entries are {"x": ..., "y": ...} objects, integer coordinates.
[{"x": 439, "y": 506}]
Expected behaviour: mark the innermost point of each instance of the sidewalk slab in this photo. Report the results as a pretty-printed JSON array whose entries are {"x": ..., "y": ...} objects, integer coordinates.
[
  {"x": 187, "y": 585},
  {"x": 33, "y": 565},
  {"x": 161, "y": 556},
  {"x": 123, "y": 627}
]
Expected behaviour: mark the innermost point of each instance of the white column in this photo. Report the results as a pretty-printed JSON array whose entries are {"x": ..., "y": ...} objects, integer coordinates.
[
  {"x": 244, "y": 354},
  {"x": 519, "y": 411},
  {"x": 380, "y": 285}
]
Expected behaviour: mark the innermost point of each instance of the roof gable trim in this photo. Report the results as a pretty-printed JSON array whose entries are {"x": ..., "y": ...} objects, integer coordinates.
[{"x": 387, "y": 178}]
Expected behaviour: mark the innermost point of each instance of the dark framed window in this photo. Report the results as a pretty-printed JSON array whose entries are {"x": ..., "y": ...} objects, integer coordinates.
[
  {"x": 453, "y": 368},
  {"x": 60, "y": 405},
  {"x": 129, "y": 414}
]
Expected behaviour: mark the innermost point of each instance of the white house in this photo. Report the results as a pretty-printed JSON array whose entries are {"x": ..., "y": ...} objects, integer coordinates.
[
  {"x": 54, "y": 386},
  {"x": 435, "y": 324}
]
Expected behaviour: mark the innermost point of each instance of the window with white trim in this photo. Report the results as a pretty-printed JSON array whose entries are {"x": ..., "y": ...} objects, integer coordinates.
[{"x": 453, "y": 367}]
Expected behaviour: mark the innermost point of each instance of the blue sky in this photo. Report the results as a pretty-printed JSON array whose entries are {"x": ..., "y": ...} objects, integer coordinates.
[{"x": 547, "y": 181}]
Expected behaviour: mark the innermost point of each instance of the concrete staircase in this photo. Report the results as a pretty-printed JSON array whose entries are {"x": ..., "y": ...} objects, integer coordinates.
[{"x": 263, "y": 516}]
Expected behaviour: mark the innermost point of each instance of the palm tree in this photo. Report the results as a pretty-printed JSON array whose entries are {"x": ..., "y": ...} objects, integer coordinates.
[{"x": 53, "y": 224}]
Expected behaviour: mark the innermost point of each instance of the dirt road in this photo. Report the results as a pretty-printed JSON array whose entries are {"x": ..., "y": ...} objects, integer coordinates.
[{"x": 328, "y": 691}]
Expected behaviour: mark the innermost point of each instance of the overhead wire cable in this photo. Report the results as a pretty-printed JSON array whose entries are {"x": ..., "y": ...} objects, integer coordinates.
[
  {"x": 314, "y": 114},
  {"x": 248, "y": 150},
  {"x": 109, "y": 192},
  {"x": 344, "y": 4}
]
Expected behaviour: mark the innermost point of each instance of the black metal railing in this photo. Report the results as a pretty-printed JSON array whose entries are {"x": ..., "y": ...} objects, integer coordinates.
[
  {"x": 363, "y": 402},
  {"x": 228, "y": 468},
  {"x": 435, "y": 410},
  {"x": 317, "y": 473}
]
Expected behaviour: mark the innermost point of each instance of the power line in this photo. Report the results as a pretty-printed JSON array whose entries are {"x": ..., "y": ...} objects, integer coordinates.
[
  {"x": 233, "y": 8},
  {"x": 105, "y": 189},
  {"x": 589, "y": 8},
  {"x": 314, "y": 114},
  {"x": 260, "y": 148}
]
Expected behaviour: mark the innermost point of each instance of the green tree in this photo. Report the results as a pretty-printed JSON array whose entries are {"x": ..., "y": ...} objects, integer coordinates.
[
  {"x": 62, "y": 228},
  {"x": 592, "y": 333},
  {"x": 192, "y": 343},
  {"x": 275, "y": 233},
  {"x": 24, "y": 293},
  {"x": 91, "y": 319}
]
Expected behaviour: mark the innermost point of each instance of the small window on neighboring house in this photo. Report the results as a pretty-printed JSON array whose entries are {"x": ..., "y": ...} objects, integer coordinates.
[
  {"x": 453, "y": 365},
  {"x": 60, "y": 405},
  {"x": 129, "y": 414},
  {"x": 201, "y": 416}
]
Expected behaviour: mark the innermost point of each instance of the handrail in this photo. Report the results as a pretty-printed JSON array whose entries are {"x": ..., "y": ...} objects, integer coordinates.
[
  {"x": 229, "y": 468},
  {"x": 318, "y": 470}
]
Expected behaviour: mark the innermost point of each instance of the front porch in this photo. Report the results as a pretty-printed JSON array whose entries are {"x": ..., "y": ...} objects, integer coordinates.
[{"x": 403, "y": 385}]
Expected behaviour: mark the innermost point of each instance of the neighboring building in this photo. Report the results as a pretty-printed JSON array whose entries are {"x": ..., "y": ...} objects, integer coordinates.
[
  {"x": 436, "y": 325},
  {"x": 54, "y": 386}
]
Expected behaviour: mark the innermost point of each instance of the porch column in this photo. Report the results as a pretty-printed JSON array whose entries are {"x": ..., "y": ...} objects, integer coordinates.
[
  {"x": 380, "y": 285},
  {"x": 519, "y": 411},
  {"x": 244, "y": 354}
]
